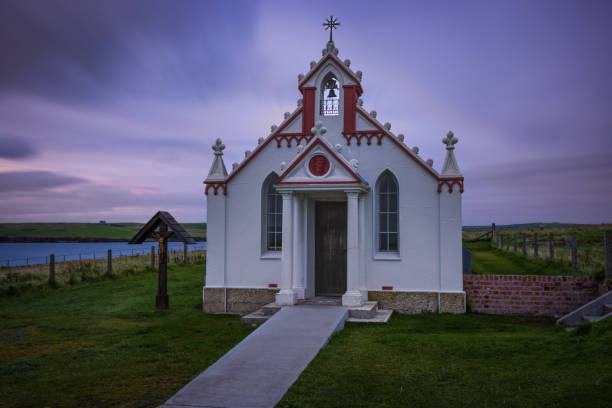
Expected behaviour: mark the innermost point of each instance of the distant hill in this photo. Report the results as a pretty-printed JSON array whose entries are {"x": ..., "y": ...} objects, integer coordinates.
[{"x": 122, "y": 231}]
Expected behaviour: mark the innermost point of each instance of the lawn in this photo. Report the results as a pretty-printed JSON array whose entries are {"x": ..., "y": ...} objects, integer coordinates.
[
  {"x": 491, "y": 261},
  {"x": 104, "y": 344},
  {"x": 459, "y": 361}
]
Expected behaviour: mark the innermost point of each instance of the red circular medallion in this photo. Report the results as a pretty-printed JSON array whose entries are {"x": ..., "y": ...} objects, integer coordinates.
[{"x": 318, "y": 165}]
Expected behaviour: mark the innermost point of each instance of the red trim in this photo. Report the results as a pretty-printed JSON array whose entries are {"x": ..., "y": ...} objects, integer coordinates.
[
  {"x": 305, "y": 152},
  {"x": 398, "y": 143},
  {"x": 450, "y": 182},
  {"x": 215, "y": 186},
  {"x": 387, "y": 288},
  {"x": 261, "y": 146},
  {"x": 288, "y": 137},
  {"x": 273, "y": 285},
  {"x": 358, "y": 135},
  {"x": 283, "y": 183},
  {"x": 308, "y": 103},
  {"x": 350, "y": 103},
  {"x": 340, "y": 65}
]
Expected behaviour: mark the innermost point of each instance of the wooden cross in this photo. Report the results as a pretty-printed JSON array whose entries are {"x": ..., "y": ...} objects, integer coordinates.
[{"x": 331, "y": 24}]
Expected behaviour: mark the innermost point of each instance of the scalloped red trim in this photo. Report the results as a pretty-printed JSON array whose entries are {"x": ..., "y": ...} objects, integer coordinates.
[
  {"x": 215, "y": 187},
  {"x": 297, "y": 137},
  {"x": 360, "y": 134},
  {"x": 450, "y": 183}
]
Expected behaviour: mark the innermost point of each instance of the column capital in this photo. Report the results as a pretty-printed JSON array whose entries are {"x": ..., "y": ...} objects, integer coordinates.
[
  {"x": 352, "y": 194},
  {"x": 287, "y": 195}
]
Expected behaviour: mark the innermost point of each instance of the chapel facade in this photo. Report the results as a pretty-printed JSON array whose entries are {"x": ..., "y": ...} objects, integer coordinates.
[{"x": 332, "y": 203}]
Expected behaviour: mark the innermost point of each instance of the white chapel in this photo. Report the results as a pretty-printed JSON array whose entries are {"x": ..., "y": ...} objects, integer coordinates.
[{"x": 332, "y": 203}]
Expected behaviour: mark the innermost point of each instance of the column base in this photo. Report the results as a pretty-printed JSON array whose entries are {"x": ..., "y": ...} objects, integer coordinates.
[
  {"x": 286, "y": 297},
  {"x": 352, "y": 298},
  {"x": 364, "y": 295},
  {"x": 300, "y": 293}
]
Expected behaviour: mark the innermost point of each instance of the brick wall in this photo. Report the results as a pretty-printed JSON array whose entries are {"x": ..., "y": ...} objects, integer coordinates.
[{"x": 528, "y": 295}]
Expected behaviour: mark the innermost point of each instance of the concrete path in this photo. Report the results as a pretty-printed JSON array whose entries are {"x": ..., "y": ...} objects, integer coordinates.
[{"x": 261, "y": 368}]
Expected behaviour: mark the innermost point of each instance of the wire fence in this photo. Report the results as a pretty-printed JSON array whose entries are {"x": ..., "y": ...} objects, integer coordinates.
[
  {"x": 586, "y": 253},
  {"x": 68, "y": 269}
]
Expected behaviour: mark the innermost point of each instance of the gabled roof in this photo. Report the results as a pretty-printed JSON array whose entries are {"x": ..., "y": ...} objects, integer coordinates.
[
  {"x": 340, "y": 65},
  {"x": 355, "y": 178},
  {"x": 162, "y": 217}
]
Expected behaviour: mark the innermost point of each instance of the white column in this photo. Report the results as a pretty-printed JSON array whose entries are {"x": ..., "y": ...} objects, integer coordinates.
[
  {"x": 352, "y": 297},
  {"x": 362, "y": 239},
  {"x": 287, "y": 296},
  {"x": 298, "y": 246}
]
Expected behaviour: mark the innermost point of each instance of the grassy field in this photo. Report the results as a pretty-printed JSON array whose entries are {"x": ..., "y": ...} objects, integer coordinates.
[
  {"x": 487, "y": 260},
  {"x": 459, "y": 361},
  {"x": 122, "y": 230},
  {"x": 104, "y": 344}
]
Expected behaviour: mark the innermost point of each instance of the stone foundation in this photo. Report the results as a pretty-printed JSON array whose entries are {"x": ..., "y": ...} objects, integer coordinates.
[
  {"x": 419, "y": 302},
  {"x": 239, "y": 300}
]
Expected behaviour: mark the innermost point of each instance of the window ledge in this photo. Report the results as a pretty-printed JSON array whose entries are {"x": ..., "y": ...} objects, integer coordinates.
[
  {"x": 271, "y": 255},
  {"x": 387, "y": 256}
]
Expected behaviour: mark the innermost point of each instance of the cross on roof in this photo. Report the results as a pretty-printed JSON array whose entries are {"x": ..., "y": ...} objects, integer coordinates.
[
  {"x": 218, "y": 147},
  {"x": 450, "y": 140},
  {"x": 331, "y": 24}
]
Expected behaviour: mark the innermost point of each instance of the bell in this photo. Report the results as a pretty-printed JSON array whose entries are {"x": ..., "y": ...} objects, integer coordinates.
[{"x": 331, "y": 94}]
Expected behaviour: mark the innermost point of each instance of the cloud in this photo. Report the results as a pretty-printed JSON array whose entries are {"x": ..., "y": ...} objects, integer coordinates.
[
  {"x": 14, "y": 148},
  {"x": 12, "y": 181}
]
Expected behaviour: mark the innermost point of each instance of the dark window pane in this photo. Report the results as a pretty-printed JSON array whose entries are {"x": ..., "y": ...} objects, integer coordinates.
[
  {"x": 392, "y": 187},
  {"x": 279, "y": 222},
  {"x": 271, "y": 241},
  {"x": 393, "y": 222},
  {"x": 271, "y": 225},
  {"x": 382, "y": 222},
  {"x": 393, "y": 202},
  {"x": 382, "y": 242},
  {"x": 382, "y": 203},
  {"x": 279, "y": 203},
  {"x": 392, "y": 242},
  {"x": 279, "y": 241}
]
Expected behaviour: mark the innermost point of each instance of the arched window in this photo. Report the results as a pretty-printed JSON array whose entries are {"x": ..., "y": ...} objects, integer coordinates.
[
  {"x": 387, "y": 209},
  {"x": 330, "y": 95},
  {"x": 272, "y": 220}
]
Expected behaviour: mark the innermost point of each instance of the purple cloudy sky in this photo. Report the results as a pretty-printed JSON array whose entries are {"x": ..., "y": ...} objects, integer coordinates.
[{"x": 108, "y": 109}]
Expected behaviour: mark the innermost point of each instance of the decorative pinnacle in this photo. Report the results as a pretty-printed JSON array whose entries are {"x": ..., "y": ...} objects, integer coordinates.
[
  {"x": 450, "y": 140},
  {"x": 318, "y": 129},
  {"x": 331, "y": 24},
  {"x": 218, "y": 147}
]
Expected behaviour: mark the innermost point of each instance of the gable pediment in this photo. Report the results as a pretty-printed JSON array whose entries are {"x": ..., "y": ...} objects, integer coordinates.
[{"x": 318, "y": 164}]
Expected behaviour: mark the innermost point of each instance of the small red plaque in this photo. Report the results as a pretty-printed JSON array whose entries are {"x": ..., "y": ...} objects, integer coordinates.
[
  {"x": 318, "y": 165},
  {"x": 273, "y": 285},
  {"x": 387, "y": 288}
]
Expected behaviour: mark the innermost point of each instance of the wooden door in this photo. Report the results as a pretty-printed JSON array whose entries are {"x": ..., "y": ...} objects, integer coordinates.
[{"x": 330, "y": 248}]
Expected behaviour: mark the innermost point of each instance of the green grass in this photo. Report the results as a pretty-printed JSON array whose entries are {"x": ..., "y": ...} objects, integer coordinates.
[
  {"x": 104, "y": 344},
  {"x": 491, "y": 261},
  {"x": 459, "y": 361},
  {"x": 122, "y": 230}
]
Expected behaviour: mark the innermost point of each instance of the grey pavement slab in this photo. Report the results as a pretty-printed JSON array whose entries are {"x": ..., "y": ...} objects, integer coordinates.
[{"x": 261, "y": 368}]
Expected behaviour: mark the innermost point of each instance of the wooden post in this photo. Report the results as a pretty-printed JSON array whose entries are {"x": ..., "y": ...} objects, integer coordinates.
[
  {"x": 501, "y": 241},
  {"x": 109, "y": 266},
  {"x": 161, "y": 300},
  {"x": 152, "y": 256},
  {"x": 574, "y": 253},
  {"x": 608, "y": 249},
  {"x": 515, "y": 242},
  {"x": 536, "y": 246},
  {"x": 508, "y": 243},
  {"x": 52, "y": 269},
  {"x": 185, "y": 260},
  {"x": 493, "y": 232},
  {"x": 551, "y": 246},
  {"x": 524, "y": 244}
]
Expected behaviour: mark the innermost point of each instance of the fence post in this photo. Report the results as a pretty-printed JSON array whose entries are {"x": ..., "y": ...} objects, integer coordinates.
[
  {"x": 152, "y": 256},
  {"x": 52, "y": 269},
  {"x": 551, "y": 246},
  {"x": 536, "y": 246},
  {"x": 185, "y": 260},
  {"x": 497, "y": 238},
  {"x": 109, "y": 268},
  {"x": 515, "y": 242},
  {"x": 501, "y": 241},
  {"x": 574, "y": 253},
  {"x": 493, "y": 232},
  {"x": 608, "y": 249},
  {"x": 524, "y": 244}
]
